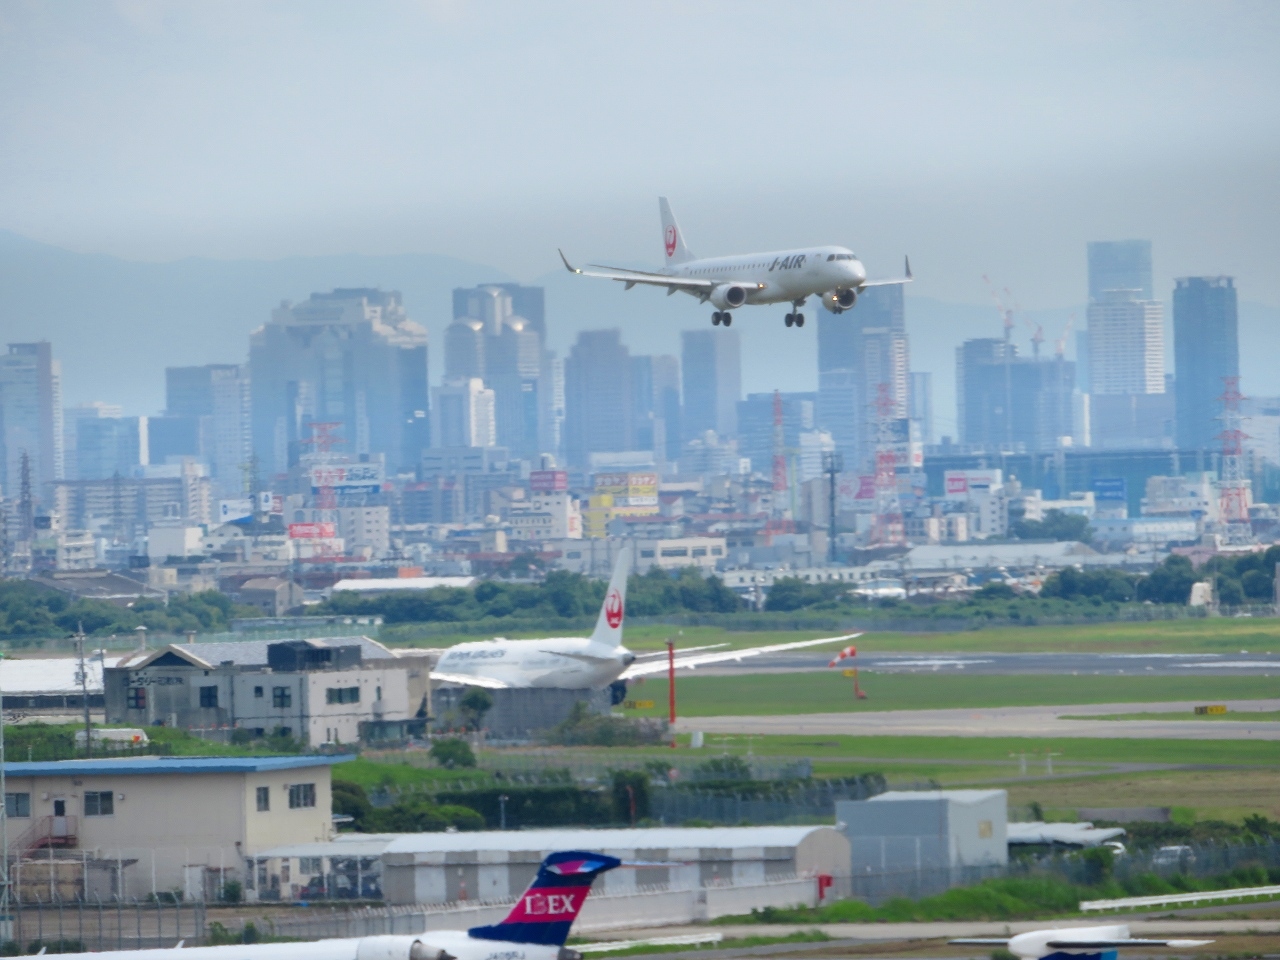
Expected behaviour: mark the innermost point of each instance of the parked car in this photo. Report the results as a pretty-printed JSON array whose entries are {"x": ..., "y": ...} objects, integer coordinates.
[{"x": 1173, "y": 856}]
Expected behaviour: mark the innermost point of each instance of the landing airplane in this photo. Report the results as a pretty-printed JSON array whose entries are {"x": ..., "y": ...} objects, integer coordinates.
[
  {"x": 833, "y": 274},
  {"x": 1074, "y": 943},
  {"x": 578, "y": 663},
  {"x": 535, "y": 929}
]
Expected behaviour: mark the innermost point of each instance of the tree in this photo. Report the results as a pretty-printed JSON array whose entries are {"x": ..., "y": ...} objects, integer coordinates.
[
  {"x": 351, "y": 800},
  {"x": 475, "y": 703},
  {"x": 1056, "y": 525},
  {"x": 1170, "y": 582},
  {"x": 452, "y": 753},
  {"x": 630, "y": 790}
]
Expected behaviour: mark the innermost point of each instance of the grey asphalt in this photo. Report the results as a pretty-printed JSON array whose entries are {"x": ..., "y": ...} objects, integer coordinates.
[
  {"x": 1240, "y": 663},
  {"x": 1039, "y": 721}
]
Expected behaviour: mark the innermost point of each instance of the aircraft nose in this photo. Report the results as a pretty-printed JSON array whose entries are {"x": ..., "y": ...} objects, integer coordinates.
[{"x": 858, "y": 271}]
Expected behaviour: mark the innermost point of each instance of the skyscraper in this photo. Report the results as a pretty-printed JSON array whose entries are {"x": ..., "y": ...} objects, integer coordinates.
[
  {"x": 711, "y": 361},
  {"x": 217, "y": 397},
  {"x": 350, "y": 356},
  {"x": 857, "y": 351},
  {"x": 107, "y": 446},
  {"x": 655, "y": 386},
  {"x": 491, "y": 339},
  {"x": 599, "y": 397},
  {"x": 755, "y": 426},
  {"x": 31, "y": 412},
  {"x": 1126, "y": 344},
  {"x": 921, "y": 404},
  {"x": 1019, "y": 405},
  {"x": 71, "y": 417},
  {"x": 1205, "y": 349},
  {"x": 462, "y": 414},
  {"x": 1120, "y": 265}
]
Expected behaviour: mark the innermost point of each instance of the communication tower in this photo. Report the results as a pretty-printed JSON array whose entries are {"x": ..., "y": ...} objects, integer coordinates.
[{"x": 324, "y": 437}]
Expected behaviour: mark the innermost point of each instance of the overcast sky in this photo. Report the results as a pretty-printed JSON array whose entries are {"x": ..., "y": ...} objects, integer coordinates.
[{"x": 980, "y": 138}]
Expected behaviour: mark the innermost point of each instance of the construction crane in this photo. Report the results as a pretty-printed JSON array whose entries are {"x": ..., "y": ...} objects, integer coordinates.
[{"x": 1060, "y": 344}]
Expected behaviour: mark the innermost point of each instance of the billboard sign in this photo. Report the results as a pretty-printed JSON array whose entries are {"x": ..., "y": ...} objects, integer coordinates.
[
  {"x": 348, "y": 477},
  {"x": 1110, "y": 490},
  {"x": 962, "y": 484},
  {"x": 549, "y": 481},
  {"x": 232, "y": 511},
  {"x": 312, "y": 531}
]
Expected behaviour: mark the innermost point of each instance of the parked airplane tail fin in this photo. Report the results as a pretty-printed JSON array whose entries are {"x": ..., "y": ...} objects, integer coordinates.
[
  {"x": 551, "y": 904},
  {"x": 672, "y": 237},
  {"x": 608, "y": 631}
]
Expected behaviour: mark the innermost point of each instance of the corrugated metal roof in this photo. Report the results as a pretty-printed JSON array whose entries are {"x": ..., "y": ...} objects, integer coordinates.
[
  {"x": 343, "y": 845},
  {"x": 253, "y": 653},
  {"x": 47, "y": 675},
  {"x": 959, "y": 796},
  {"x": 133, "y": 766},
  {"x": 577, "y": 838},
  {"x": 388, "y": 584}
]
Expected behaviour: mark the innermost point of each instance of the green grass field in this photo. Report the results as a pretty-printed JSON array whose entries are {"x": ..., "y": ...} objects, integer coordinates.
[{"x": 829, "y": 692}]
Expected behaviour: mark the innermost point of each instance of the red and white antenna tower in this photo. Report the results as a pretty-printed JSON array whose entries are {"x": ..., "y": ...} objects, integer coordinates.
[
  {"x": 887, "y": 526},
  {"x": 1233, "y": 491},
  {"x": 324, "y": 437}
]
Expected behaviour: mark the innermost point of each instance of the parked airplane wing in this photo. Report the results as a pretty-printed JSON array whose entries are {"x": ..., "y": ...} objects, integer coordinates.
[
  {"x": 468, "y": 680},
  {"x": 889, "y": 283},
  {"x": 632, "y": 277},
  {"x": 704, "y": 659},
  {"x": 1113, "y": 944}
]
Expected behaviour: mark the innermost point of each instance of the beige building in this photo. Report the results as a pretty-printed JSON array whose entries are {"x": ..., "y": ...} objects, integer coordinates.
[{"x": 133, "y": 826}]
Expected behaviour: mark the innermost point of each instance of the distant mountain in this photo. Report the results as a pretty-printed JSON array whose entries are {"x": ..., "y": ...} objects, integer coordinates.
[{"x": 116, "y": 324}]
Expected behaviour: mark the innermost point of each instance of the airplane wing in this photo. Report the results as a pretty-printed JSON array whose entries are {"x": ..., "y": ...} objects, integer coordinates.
[
  {"x": 1112, "y": 944},
  {"x": 889, "y": 283},
  {"x": 632, "y": 277},
  {"x": 704, "y": 659},
  {"x": 584, "y": 657},
  {"x": 687, "y": 650},
  {"x": 467, "y": 680}
]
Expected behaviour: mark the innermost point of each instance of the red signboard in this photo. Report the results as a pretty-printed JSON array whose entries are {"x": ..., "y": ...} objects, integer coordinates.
[
  {"x": 958, "y": 484},
  {"x": 313, "y": 531},
  {"x": 548, "y": 481}
]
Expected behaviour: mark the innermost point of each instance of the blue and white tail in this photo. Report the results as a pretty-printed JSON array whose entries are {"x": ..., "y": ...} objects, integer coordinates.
[
  {"x": 672, "y": 237},
  {"x": 548, "y": 908},
  {"x": 608, "y": 631}
]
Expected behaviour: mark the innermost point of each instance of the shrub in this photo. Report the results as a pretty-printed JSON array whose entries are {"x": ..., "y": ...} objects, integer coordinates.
[{"x": 453, "y": 753}]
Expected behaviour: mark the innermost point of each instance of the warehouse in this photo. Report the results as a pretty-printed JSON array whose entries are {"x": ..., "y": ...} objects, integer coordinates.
[
  {"x": 498, "y": 865},
  {"x": 942, "y": 831}
]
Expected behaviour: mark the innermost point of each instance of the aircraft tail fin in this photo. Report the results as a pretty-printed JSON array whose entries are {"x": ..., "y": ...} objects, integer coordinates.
[
  {"x": 672, "y": 236},
  {"x": 548, "y": 908},
  {"x": 608, "y": 631}
]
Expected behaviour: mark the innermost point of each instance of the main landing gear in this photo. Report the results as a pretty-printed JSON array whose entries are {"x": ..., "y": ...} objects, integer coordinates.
[
  {"x": 722, "y": 316},
  {"x": 796, "y": 319}
]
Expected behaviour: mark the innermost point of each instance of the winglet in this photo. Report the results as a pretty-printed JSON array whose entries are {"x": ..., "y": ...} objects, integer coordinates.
[
  {"x": 567, "y": 265},
  {"x": 907, "y": 259}
]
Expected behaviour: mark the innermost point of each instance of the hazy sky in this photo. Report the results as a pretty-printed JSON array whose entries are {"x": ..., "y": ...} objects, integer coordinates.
[{"x": 980, "y": 138}]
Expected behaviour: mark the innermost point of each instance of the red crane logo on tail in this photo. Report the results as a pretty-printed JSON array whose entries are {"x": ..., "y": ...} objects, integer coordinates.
[
  {"x": 613, "y": 609},
  {"x": 671, "y": 240}
]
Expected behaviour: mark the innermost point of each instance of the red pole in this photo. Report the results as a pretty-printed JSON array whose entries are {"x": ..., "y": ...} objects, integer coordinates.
[{"x": 671, "y": 688}]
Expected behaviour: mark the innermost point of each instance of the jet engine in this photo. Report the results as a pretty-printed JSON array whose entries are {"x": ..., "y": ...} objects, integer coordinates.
[
  {"x": 390, "y": 947},
  {"x": 729, "y": 296},
  {"x": 838, "y": 301},
  {"x": 617, "y": 692}
]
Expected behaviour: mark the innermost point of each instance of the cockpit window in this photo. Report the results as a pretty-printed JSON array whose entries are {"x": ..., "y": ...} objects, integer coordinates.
[{"x": 841, "y": 256}]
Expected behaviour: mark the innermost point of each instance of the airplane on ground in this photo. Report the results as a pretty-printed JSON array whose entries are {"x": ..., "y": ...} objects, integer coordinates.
[
  {"x": 1074, "y": 943},
  {"x": 578, "y": 663},
  {"x": 833, "y": 274},
  {"x": 535, "y": 929}
]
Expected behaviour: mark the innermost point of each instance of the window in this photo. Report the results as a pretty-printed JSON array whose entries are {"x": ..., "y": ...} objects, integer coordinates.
[
  {"x": 310, "y": 865},
  {"x": 699, "y": 551},
  {"x": 17, "y": 804},
  {"x": 135, "y": 698},
  {"x": 257, "y": 691},
  {"x": 281, "y": 697},
  {"x": 379, "y": 693},
  {"x": 646, "y": 553},
  {"x": 99, "y": 803},
  {"x": 302, "y": 795},
  {"x": 208, "y": 697},
  {"x": 716, "y": 552},
  {"x": 984, "y": 829},
  {"x": 342, "y": 695},
  {"x": 264, "y": 799},
  {"x": 676, "y": 552}
]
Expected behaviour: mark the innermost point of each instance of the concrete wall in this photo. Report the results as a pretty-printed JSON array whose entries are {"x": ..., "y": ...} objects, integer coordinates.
[{"x": 517, "y": 714}]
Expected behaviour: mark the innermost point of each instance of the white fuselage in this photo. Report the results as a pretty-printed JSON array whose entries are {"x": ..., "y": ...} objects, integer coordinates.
[
  {"x": 567, "y": 663},
  {"x": 456, "y": 943},
  {"x": 784, "y": 276}
]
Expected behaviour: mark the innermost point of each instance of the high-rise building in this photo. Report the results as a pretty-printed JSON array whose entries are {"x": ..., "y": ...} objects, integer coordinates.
[
  {"x": 755, "y": 427},
  {"x": 1120, "y": 265},
  {"x": 462, "y": 414},
  {"x": 599, "y": 416},
  {"x": 71, "y": 417},
  {"x": 1009, "y": 403},
  {"x": 351, "y": 357},
  {"x": 655, "y": 385},
  {"x": 1126, "y": 344},
  {"x": 107, "y": 446},
  {"x": 489, "y": 338},
  {"x": 858, "y": 350},
  {"x": 1205, "y": 349},
  {"x": 30, "y": 417},
  {"x": 711, "y": 361},
  {"x": 920, "y": 404}
]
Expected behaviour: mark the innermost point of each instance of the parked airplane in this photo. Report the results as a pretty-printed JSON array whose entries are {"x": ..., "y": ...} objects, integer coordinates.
[
  {"x": 833, "y": 274},
  {"x": 578, "y": 663},
  {"x": 535, "y": 929},
  {"x": 1098, "y": 943}
]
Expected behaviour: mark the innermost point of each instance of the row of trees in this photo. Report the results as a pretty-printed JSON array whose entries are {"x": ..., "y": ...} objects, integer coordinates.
[{"x": 561, "y": 594}]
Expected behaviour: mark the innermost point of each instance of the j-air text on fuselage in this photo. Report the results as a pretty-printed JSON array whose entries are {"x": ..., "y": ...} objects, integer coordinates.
[{"x": 832, "y": 274}]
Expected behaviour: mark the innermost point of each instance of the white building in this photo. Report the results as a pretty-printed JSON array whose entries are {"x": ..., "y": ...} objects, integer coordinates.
[
  {"x": 546, "y": 516},
  {"x": 813, "y": 445},
  {"x": 365, "y": 530},
  {"x": 463, "y": 414},
  {"x": 677, "y": 553},
  {"x": 1126, "y": 344}
]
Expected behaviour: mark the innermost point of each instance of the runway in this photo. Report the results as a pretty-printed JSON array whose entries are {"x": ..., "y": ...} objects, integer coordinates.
[
  {"x": 1012, "y": 664},
  {"x": 1039, "y": 722}
]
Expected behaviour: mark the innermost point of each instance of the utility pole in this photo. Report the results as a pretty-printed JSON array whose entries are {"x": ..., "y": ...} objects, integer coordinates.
[
  {"x": 832, "y": 464},
  {"x": 6, "y": 921},
  {"x": 83, "y": 673}
]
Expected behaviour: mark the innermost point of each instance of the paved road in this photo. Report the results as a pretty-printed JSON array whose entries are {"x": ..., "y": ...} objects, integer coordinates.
[
  {"x": 1002, "y": 664},
  {"x": 1006, "y": 722}
]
